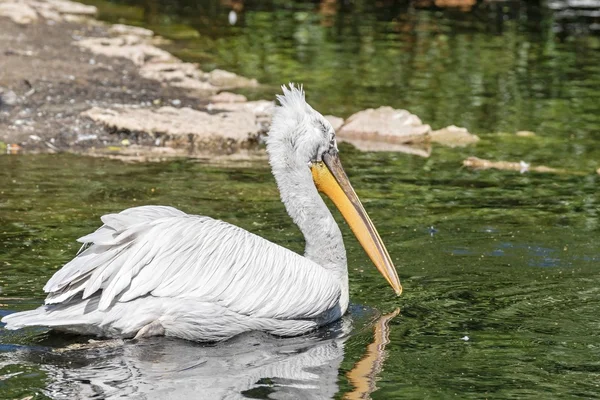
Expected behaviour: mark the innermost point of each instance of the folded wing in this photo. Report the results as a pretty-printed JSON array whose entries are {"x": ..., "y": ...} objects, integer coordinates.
[{"x": 163, "y": 252}]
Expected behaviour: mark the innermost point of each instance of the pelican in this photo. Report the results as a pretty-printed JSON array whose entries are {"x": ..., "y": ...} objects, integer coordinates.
[{"x": 155, "y": 270}]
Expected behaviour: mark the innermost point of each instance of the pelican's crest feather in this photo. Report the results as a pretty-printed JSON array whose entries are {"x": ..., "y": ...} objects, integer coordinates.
[{"x": 293, "y": 97}]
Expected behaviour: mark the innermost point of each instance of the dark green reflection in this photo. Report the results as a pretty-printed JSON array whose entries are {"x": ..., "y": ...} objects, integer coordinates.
[
  {"x": 509, "y": 260},
  {"x": 501, "y": 67}
]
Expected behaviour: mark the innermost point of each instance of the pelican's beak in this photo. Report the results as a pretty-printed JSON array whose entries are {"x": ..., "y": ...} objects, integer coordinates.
[{"x": 330, "y": 178}]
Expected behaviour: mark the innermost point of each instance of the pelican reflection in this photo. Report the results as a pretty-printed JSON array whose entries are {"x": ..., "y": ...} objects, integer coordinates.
[{"x": 252, "y": 365}]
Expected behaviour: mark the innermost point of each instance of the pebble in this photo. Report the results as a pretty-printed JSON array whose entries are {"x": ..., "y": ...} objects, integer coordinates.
[
  {"x": 82, "y": 138},
  {"x": 8, "y": 97}
]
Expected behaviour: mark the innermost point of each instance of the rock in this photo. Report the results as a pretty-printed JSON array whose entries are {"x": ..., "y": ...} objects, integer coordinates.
[
  {"x": 336, "y": 122},
  {"x": 28, "y": 11},
  {"x": 187, "y": 75},
  {"x": 71, "y": 7},
  {"x": 228, "y": 97},
  {"x": 385, "y": 124},
  {"x": 85, "y": 138},
  {"x": 258, "y": 107},
  {"x": 453, "y": 136},
  {"x": 184, "y": 127},
  {"x": 81, "y": 19},
  {"x": 120, "y": 29},
  {"x": 261, "y": 109},
  {"x": 49, "y": 14},
  {"x": 8, "y": 97},
  {"x": 522, "y": 167},
  {"x": 20, "y": 13},
  {"x": 525, "y": 133},
  {"x": 228, "y": 80},
  {"x": 131, "y": 47},
  {"x": 180, "y": 74},
  {"x": 421, "y": 150}
]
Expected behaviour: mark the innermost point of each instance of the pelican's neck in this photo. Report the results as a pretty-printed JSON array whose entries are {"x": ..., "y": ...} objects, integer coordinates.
[{"x": 324, "y": 243}]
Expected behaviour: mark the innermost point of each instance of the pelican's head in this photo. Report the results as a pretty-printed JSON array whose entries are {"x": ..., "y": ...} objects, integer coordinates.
[{"x": 307, "y": 138}]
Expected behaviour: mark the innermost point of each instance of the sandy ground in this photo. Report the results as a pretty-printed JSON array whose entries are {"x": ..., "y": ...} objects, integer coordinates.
[{"x": 54, "y": 81}]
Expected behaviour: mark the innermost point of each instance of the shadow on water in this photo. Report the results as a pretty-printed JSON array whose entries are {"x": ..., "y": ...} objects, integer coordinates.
[{"x": 253, "y": 365}]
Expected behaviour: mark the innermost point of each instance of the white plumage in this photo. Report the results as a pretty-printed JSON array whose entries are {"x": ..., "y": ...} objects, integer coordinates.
[{"x": 155, "y": 270}]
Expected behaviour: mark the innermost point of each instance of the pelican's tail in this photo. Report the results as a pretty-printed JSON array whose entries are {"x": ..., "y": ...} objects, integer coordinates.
[
  {"x": 37, "y": 317},
  {"x": 65, "y": 318}
]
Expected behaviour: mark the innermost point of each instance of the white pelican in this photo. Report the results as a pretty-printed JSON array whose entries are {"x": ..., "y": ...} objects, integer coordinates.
[{"x": 155, "y": 270}]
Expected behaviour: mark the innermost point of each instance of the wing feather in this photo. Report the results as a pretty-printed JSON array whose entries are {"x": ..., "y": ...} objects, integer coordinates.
[{"x": 163, "y": 252}]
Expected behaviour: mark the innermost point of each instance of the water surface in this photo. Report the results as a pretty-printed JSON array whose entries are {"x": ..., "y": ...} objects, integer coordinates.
[
  {"x": 500, "y": 269},
  {"x": 509, "y": 261}
]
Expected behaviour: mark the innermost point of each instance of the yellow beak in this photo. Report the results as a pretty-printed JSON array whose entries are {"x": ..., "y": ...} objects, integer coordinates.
[{"x": 330, "y": 178}]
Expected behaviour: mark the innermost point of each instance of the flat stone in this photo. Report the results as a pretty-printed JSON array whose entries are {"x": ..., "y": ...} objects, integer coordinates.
[
  {"x": 385, "y": 124},
  {"x": 453, "y": 136},
  {"x": 183, "y": 127},
  {"x": 336, "y": 122},
  {"x": 20, "y": 13},
  {"x": 228, "y": 97},
  {"x": 261, "y": 109},
  {"x": 258, "y": 107},
  {"x": 120, "y": 29},
  {"x": 421, "y": 150},
  {"x": 131, "y": 47},
  {"x": 228, "y": 80},
  {"x": 185, "y": 75},
  {"x": 28, "y": 11},
  {"x": 49, "y": 14},
  {"x": 71, "y": 7}
]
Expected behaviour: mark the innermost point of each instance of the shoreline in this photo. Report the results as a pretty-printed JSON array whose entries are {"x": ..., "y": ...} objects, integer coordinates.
[
  {"x": 72, "y": 83},
  {"x": 60, "y": 64}
]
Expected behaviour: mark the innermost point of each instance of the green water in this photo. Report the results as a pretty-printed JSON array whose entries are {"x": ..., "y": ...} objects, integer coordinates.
[{"x": 510, "y": 261}]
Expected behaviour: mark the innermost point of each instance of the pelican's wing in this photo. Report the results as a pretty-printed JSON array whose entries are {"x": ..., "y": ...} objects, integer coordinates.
[{"x": 163, "y": 252}]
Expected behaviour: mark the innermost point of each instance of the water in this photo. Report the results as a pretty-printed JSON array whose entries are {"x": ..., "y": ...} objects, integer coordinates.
[{"x": 500, "y": 269}]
